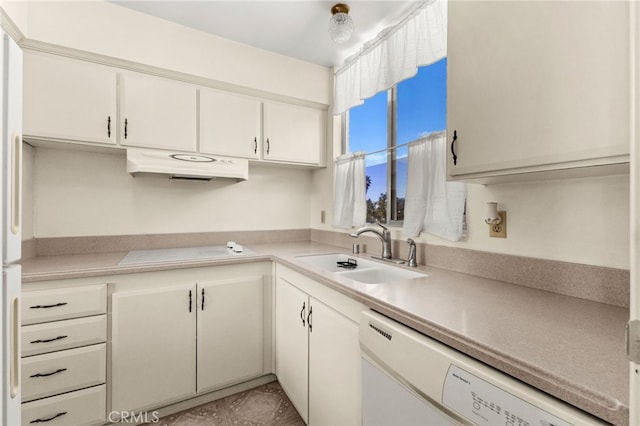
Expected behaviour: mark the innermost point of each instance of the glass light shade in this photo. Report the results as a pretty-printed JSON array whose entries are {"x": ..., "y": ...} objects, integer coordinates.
[
  {"x": 340, "y": 27},
  {"x": 492, "y": 217}
]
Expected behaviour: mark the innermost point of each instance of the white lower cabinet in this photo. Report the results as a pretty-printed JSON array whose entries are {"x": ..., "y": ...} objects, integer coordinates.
[
  {"x": 63, "y": 371},
  {"x": 153, "y": 347},
  {"x": 317, "y": 350},
  {"x": 292, "y": 346},
  {"x": 171, "y": 342},
  {"x": 83, "y": 407},
  {"x": 229, "y": 332},
  {"x": 64, "y": 354},
  {"x": 334, "y": 368}
]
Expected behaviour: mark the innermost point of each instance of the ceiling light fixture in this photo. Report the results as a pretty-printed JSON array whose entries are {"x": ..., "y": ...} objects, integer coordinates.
[{"x": 340, "y": 24}]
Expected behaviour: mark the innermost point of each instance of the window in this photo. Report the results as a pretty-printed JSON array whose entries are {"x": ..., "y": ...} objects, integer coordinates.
[{"x": 382, "y": 127}]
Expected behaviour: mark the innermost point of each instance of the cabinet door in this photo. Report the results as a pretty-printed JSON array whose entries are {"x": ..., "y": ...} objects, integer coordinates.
[
  {"x": 153, "y": 347},
  {"x": 293, "y": 134},
  {"x": 292, "y": 346},
  {"x": 157, "y": 113},
  {"x": 69, "y": 100},
  {"x": 537, "y": 85},
  {"x": 230, "y": 331},
  {"x": 334, "y": 368},
  {"x": 229, "y": 124}
]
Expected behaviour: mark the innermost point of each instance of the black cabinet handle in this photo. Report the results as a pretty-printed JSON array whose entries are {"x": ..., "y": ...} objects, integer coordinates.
[
  {"x": 268, "y": 146},
  {"x": 203, "y": 299},
  {"x": 126, "y": 127},
  {"x": 55, "y": 305},
  {"x": 48, "y": 340},
  {"x": 190, "y": 301},
  {"x": 453, "y": 152},
  {"x": 49, "y": 419},
  {"x": 302, "y": 315},
  {"x": 309, "y": 318},
  {"x": 109, "y": 126},
  {"x": 255, "y": 145},
  {"x": 59, "y": 370}
]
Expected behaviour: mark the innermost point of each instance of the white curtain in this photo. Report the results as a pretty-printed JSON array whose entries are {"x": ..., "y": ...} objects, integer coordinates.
[
  {"x": 350, "y": 207},
  {"x": 393, "y": 56},
  {"x": 432, "y": 204}
]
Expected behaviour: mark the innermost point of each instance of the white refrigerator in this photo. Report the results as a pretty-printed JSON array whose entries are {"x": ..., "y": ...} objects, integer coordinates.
[{"x": 10, "y": 231}]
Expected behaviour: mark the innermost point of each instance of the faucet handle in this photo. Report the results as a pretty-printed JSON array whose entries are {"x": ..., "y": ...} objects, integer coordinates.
[{"x": 412, "y": 253}]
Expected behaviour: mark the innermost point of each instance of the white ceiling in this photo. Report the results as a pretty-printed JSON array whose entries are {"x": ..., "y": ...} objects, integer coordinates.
[{"x": 296, "y": 28}]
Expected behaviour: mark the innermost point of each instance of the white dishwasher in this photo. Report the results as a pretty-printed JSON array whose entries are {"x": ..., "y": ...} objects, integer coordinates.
[{"x": 411, "y": 379}]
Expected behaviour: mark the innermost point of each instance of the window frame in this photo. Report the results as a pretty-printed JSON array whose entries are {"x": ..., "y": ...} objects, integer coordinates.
[{"x": 392, "y": 114}]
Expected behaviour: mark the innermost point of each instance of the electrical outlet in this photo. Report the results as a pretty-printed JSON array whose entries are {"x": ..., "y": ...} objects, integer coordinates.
[
  {"x": 500, "y": 230},
  {"x": 323, "y": 216}
]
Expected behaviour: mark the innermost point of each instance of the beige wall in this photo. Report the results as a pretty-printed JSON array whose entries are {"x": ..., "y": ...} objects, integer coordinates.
[
  {"x": 575, "y": 220},
  {"x": 115, "y": 31},
  {"x": 78, "y": 193}
]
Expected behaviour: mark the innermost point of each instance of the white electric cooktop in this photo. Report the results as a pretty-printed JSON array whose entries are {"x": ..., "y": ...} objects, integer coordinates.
[{"x": 180, "y": 254}]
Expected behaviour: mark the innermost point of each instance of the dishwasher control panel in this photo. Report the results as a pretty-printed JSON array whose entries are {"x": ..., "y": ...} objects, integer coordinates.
[{"x": 485, "y": 404}]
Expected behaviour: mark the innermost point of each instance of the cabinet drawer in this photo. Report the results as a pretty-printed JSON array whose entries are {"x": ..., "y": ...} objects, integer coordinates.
[
  {"x": 83, "y": 407},
  {"x": 67, "y": 334},
  {"x": 62, "y": 303},
  {"x": 64, "y": 371}
]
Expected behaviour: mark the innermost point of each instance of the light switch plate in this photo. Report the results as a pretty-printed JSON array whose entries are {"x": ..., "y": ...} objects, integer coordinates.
[{"x": 499, "y": 231}]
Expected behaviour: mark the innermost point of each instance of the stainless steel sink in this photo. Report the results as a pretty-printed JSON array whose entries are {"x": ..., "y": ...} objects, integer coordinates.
[{"x": 366, "y": 271}]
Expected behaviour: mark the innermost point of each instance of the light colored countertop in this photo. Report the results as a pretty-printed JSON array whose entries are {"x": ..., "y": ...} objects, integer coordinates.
[{"x": 570, "y": 348}]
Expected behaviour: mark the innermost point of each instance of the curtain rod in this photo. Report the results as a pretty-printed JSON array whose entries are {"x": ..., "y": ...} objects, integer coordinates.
[{"x": 430, "y": 136}]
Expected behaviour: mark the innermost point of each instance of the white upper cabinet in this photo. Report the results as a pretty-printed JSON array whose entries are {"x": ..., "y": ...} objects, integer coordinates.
[
  {"x": 157, "y": 113},
  {"x": 229, "y": 124},
  {"x": 69, "y": 100},
  {"x": 293, "y": 134},
  {"x": 536, "y": 87}
]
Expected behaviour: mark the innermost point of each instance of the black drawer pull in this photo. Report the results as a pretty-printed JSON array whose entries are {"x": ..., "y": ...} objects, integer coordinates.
[
  {"x": 59, "y": 370},
  {"x": 48, "y": 306},
  {"x": 203, "y": 299},
  {"x": 49, "y": 419},
  {"x": 48, "y": 340}
]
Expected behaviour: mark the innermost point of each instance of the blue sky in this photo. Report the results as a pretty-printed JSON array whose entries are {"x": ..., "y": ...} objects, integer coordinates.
[{"x": 421, "y": 109}]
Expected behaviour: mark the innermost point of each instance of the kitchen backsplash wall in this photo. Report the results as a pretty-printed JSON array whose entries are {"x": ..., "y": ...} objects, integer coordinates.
[
  {"x": 79, "y": 193},
  {"x": 572, "y": 220}
]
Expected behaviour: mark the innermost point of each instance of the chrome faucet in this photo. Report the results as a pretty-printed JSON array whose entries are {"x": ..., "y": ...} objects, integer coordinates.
[
  {"x": 412, "y": 253},
  {"x": 385, "y": 238}
]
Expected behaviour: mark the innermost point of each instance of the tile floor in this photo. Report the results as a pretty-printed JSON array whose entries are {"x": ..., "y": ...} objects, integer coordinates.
[{"x": 266, "y": 405}]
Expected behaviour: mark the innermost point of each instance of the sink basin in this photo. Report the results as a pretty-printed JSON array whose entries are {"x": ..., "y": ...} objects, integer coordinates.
[
  {"x": 366, "y": 271},
  {"x": 329, "y": 262}
]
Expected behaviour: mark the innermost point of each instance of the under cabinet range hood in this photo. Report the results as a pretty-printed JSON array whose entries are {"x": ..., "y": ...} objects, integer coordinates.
[{"x": 180, "y": 165}]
